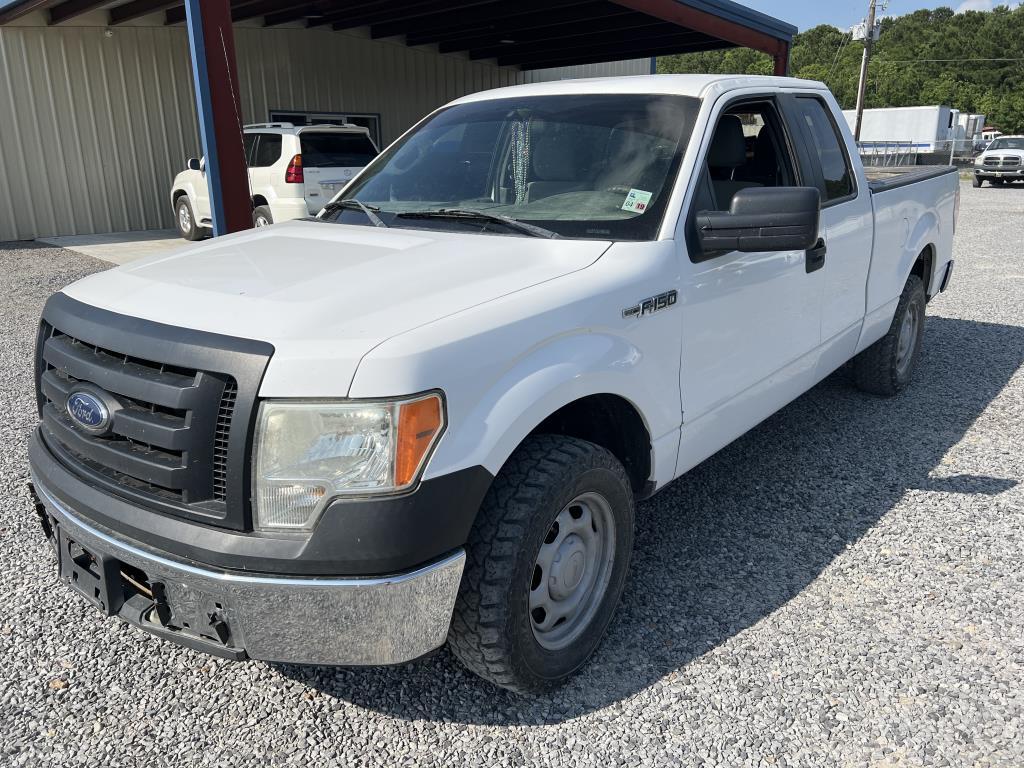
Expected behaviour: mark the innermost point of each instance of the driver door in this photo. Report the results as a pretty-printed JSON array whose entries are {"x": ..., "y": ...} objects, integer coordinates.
[{"x": 749, "y": 320}]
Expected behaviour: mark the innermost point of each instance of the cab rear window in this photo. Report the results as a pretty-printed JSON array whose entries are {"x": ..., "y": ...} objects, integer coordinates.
[{"x": 336, "y": 150}]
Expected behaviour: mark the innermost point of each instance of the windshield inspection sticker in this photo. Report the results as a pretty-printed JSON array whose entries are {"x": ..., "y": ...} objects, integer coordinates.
[{"x": 637, "y": 200}]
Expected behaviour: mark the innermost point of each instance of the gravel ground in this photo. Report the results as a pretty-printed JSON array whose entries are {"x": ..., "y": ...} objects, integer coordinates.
[{"x": 842, "y": 586}]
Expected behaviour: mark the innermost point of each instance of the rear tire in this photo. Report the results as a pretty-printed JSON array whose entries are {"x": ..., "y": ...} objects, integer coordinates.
[
  {"x": 887, "y": 366},
  {"x": 262, "y": 217},
  {"x": 185, "y": 220},
  {"x": 546, "y": 563}
]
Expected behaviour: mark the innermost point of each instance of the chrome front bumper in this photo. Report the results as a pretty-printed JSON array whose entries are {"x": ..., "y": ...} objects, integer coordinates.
[
  {"x": 337, "y": 621},
  {"x": 999, "y": 171}
]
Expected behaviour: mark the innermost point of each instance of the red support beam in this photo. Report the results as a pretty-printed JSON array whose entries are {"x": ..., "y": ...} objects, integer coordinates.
[
  {"x": 212, "y": 42},
  {"x": 133, "y": 10},
  {"x": 709, "y": 24},
  {"x": 781, "y": 61},
  {"x": 72, "y": 8}
]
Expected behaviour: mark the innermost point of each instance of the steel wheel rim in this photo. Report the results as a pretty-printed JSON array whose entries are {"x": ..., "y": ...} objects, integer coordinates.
[
  {"x": 906, "y": 343},
  {"x": 184, "y": 219},
  {"x": 261, "y": 221},
  {"x": 572, "y": 571}
]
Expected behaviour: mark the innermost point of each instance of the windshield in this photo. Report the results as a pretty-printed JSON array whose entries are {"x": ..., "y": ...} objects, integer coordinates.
[
  {"x": 1007, "y": 144},
  {"x": 587, "y": 166}
]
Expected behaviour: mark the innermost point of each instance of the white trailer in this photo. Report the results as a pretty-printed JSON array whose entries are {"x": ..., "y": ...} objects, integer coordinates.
[{"x": 918, "y": 130}]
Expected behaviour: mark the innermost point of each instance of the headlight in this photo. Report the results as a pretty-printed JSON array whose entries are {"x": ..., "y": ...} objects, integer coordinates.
[
  {"x": 308, "y": 453},
  {"x": 979, "y": 161}
]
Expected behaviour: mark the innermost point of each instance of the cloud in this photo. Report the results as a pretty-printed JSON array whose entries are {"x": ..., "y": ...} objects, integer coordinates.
[{"x": 984, "y": 5}]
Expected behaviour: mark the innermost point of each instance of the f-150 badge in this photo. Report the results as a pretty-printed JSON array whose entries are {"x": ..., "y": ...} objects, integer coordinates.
[{"x": 651, "y": 305}]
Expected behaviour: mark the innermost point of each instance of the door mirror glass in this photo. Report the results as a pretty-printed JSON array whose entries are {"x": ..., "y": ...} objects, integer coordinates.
[
  {"x": 763, "y": 219},
  {"x": 193, "y": 164}
]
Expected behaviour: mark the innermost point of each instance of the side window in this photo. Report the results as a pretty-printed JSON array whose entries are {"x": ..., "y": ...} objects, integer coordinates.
[
  {"x": 835, "y": 168},
  {"x": 249, "y": 142},
  {"x": 268, "y": 150},
  {"x": 748, "y": 149}
]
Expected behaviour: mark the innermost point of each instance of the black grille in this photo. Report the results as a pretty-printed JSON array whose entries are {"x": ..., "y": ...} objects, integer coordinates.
[
  {"x": 158, "y": 442},
  {"x": 181, "y": 405},
  {"x": 220, "y": 440}
]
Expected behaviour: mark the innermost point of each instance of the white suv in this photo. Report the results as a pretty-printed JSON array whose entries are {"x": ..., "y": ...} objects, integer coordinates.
[{"x": 293, "y": 172}]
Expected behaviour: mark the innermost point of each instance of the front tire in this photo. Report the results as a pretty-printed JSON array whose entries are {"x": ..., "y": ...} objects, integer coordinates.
[
  {"x": 976, "y": 181},
  {"x": 546, "y": 563},
  {"x": 887, "y": 366},
  {"x": 185, "y": 220}
]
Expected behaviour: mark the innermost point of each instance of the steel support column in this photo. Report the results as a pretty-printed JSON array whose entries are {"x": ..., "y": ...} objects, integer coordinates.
[
  {"x": 214, "y": 71},
  {"x": 781, "y": 62}
]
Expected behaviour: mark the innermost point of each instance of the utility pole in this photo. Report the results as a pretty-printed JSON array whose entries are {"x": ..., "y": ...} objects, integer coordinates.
[{"x": 869, "y": 39}]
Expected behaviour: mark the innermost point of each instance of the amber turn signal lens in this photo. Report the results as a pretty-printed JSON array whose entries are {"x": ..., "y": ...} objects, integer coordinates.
[{"x": 419, "y": 424}]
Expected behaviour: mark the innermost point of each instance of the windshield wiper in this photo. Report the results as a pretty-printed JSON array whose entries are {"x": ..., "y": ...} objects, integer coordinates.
[
  {"x": 466, "y": 213},
  {"x": 370, "y": 210}
]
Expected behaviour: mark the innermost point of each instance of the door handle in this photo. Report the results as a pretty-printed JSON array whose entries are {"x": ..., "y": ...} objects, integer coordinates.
[{"x": 815, "y": 257}]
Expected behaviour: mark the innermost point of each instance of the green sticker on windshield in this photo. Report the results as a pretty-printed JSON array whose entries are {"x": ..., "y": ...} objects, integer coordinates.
[{"x": 637, "y": 200}]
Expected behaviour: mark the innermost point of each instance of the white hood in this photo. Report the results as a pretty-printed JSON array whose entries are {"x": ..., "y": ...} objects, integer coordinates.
[{"x": 325, "y": 294}]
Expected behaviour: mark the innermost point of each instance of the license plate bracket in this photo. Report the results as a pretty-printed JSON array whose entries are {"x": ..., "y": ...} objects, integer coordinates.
[{"x": 96, "y": 577}]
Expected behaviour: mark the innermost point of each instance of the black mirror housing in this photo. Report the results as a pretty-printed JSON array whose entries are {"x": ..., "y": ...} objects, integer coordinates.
[
  {"x": 763, "y": 219},
  {"x": 193, "y": 164}
]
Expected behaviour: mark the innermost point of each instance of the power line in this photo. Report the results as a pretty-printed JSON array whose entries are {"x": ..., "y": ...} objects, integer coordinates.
[
  {"x": 916, "y": 61},
  {"x": 846, "y": 38}
]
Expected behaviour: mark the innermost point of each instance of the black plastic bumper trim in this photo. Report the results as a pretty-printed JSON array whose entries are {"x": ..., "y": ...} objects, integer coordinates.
[{"x": 364, "y": 537}]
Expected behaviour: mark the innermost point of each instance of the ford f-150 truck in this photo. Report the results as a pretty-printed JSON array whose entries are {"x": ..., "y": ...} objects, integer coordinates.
[{"x": 428, "y": 414}]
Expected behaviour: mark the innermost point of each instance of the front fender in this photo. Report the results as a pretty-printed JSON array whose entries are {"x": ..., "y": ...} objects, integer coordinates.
[
  {"x": 551, "y": 376},
  {"x": 184, "y": 182},
  {"x": 508, "y": 364}
]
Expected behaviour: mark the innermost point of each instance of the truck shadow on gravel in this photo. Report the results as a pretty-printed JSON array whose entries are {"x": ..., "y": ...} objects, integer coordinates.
[{"x": 740, "y": 535}]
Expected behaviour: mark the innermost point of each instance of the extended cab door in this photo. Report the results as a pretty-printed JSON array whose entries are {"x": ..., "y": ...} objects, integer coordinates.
[
  {"x": 746, "y": 317},
  {"x": 847, "y": 221}
]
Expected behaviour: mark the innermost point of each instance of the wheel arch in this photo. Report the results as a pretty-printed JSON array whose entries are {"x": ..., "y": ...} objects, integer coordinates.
[
  {"x": 589, "y": 386},
  {"x": 612, "y": 422},
  {"x": 919, "y": 253},
  {"x": 258, "y": 200},
  {"x": 924, "y": 268}
]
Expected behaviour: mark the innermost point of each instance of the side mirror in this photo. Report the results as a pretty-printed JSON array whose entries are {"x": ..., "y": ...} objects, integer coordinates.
[
  {"x": 763, "y": 219},
  {"x": 193, "y": 164}
]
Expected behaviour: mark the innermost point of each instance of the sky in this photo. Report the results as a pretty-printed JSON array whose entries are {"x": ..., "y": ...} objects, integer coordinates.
[{"x": 844, "y": 13}]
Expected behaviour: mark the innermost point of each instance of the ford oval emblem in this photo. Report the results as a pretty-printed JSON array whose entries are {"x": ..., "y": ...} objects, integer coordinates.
[{"x": 88, "y": 412}]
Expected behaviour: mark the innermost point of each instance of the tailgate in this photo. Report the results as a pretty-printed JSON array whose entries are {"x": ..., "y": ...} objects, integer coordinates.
[
  {"x": 321, "y": 184},
  {"x": 330, "y": 159}
]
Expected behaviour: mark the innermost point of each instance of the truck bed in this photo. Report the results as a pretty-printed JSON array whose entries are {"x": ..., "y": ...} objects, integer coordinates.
[{"x": 884, "y": 179}]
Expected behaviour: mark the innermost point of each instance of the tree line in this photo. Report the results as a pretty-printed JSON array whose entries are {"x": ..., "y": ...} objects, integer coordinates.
[{"x": 972, "y": 61}]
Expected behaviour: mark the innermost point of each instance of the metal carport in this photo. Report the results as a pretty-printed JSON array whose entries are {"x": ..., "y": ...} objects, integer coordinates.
[{"x": 529, "y": 34}]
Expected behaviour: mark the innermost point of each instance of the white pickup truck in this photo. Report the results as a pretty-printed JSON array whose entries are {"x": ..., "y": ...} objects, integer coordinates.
[
  {"x": 429, "y": 414},
  {"x": 1002, "y": 161}
]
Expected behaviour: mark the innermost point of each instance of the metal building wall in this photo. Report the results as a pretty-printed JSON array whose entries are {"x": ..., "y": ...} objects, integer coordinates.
[{"x": 94, "y": 128}]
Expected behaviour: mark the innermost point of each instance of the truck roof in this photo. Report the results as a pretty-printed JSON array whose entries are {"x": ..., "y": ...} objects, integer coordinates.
[{"x": 681, "y": 85}]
